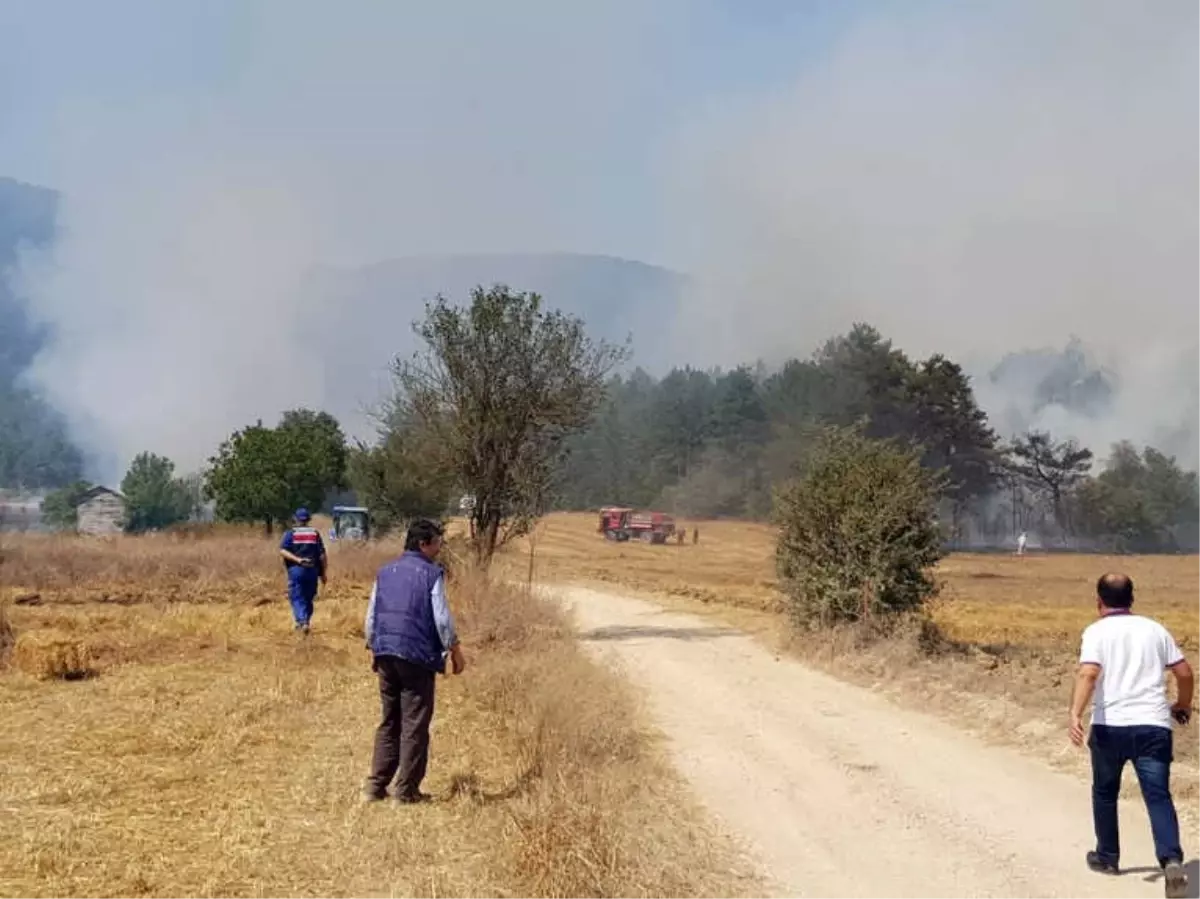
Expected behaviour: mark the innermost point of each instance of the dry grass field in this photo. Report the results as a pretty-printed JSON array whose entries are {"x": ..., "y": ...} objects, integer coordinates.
[
  {"x": 1040, "y": 601},
  {"x": 1016, "y": 620},
  {"x": 165, "y": 732}
]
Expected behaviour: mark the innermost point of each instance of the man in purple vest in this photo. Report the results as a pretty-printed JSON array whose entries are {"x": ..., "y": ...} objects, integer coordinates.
[{"x": 410, "y": 632}]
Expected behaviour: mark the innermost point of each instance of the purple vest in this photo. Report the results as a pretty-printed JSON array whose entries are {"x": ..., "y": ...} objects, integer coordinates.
[{"x": 404, "y": 624}]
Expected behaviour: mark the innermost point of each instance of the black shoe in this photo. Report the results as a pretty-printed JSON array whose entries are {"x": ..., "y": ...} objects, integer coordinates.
[
  {"x": 370, "y": 795},
  {"x": 1100, "y": 866},
  {"x": 413, "y": 798},
  {"x": 1175, "y": 880}
]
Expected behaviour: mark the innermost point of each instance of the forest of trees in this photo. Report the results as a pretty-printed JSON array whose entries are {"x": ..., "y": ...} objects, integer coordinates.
[{"x": 716, "y": 443}]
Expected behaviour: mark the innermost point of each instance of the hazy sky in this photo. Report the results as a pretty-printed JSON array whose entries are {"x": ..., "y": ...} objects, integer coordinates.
[
  {"x": 970, "y": 177},
  {"x": 450, "y": 126}
]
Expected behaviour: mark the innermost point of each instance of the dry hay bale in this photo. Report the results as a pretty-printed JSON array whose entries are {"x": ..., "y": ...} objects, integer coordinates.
[{"x": 53, "y": 656}]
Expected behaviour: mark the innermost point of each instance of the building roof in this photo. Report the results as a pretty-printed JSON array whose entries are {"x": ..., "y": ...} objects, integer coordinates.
[{"x": 98, "y": 491}]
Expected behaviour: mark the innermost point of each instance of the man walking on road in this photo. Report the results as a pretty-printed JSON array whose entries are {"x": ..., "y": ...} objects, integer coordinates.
[
  {"x": 1121, "y": 664},
  {"x": 304, "y": 558},
  {"x": 410, "y": 632}
]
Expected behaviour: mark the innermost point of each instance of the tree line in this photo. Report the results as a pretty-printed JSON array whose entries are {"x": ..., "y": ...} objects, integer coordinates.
[
  {"x": 516, "y": 406},
  {"x": 713, "y": 443}
]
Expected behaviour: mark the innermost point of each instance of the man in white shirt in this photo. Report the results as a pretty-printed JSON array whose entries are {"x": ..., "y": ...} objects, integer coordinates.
[{"x": 1121, "y": 663}]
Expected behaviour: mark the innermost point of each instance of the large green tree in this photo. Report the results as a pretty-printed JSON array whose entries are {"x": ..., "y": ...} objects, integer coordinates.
[
  {"x": 263, "y": 474},
  {"x": 154, "y": 497},
  {"x": 496, "y": 390}
]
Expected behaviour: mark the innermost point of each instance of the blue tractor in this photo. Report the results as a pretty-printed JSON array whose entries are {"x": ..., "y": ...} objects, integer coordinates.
[{"x": 350, "y": 523}]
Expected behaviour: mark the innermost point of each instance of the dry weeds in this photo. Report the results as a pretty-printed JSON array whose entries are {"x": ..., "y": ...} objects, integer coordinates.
[{"x": 214, "y": 753}]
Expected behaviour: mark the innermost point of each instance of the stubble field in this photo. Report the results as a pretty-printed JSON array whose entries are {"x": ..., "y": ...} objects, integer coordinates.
[
  {"x": 1039, "y": 600},
  {"x": 165, "y": 732}
]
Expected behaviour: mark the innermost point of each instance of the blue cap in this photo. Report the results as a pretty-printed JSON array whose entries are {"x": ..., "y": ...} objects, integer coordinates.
[{"x": 302, "y": 514}]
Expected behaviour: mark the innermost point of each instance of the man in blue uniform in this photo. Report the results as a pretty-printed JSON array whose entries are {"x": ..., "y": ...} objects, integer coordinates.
[
  {"x": 410, "y": 633},
  {"x": 304, "y": 558}
]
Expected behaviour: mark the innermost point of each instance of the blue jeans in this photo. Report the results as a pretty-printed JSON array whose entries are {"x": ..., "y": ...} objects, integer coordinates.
[
  {"x": 302, "y": 589},
  {"x": 1149, "y": 748}
]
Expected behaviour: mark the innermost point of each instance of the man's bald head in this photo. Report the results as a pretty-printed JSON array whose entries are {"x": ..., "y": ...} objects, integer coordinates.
[{"x": 1115, "y": 590}]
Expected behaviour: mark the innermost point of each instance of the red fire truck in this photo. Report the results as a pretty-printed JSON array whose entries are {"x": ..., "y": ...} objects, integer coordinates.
[{"x": 621, "y": 523}]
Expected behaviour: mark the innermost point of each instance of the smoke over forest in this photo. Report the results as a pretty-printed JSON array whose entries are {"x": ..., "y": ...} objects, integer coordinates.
[{"x": 987, "y": 181}]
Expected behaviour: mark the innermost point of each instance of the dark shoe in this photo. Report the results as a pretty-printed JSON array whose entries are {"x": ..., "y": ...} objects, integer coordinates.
[
  {"x": 370, "y": 795},
  {"x": 302, "y": 630},
  {"x": 413, "y": 798},
  {"x": 1175, "y": 879},
  {"x": 1100, "y": 866}
]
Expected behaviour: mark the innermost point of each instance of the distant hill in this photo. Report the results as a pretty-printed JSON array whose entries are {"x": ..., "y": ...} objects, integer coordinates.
[{"x": 358, "y": 320}]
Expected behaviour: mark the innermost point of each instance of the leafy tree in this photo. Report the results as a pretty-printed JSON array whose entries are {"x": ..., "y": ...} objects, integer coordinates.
[
  {"x": 399, "y": 479},
  {"x": 497, "y": 389},
  {"x": 951, "y": 429},
  {"x": 1050, "y": 467},
  {"x": 154, "y": 497},
  {"x": 610, "y": 462},
  {"x": 324, "y": 443},
  {"x": 264, "y": 474},
  {"x": 60, "y": 507},
  {"x": 858, "y": 534},
  {"x": 1141, "y": 502},
  {"x": 680, "y": 422},
  {"x": 866, "y": 381}
]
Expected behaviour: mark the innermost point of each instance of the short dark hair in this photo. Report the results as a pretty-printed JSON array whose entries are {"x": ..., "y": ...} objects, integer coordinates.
[
  {"x": 420, "y": 532},
  {"x": 1115, "y": 591}
]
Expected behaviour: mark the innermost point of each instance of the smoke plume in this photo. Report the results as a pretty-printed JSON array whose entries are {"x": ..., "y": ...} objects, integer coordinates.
[
  {"x": 211, "y": 157},
  {"x": 972, "y": 179}
]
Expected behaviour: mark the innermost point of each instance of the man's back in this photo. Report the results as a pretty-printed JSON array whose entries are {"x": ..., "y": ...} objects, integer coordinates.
[
  {"x": 304, "y": 542},
  {"x": 1133, "y": 653}
]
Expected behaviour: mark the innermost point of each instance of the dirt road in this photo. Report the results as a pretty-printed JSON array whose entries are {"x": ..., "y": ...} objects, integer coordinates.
[{"x": 838, "y": 792}]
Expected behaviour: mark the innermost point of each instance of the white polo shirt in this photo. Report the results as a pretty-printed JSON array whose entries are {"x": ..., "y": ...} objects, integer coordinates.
[{"x": 1133, "y": 653}]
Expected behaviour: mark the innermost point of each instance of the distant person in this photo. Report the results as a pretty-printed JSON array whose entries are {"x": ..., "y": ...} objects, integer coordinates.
[
  {"x": 1121, "y": 664},
  {"x": 1021, "y": 540},
  {"x": 695, "y": 536},
  {"x": 410, "y": 633},
  {"x": 304, "y": 558},
  {"x": 679, "y": 535}
]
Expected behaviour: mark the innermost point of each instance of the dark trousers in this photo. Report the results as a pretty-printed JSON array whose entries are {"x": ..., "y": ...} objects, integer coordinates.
[
  {"x": 402, "y": 738},
  {"x": 1150, "y": 750}
]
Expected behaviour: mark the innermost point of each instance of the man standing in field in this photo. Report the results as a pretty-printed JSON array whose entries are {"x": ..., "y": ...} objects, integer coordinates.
[
  {"x": 410, "y": 632},
  {"x": 303, "y": 554},
  {"x": 1121, "y": 664}
]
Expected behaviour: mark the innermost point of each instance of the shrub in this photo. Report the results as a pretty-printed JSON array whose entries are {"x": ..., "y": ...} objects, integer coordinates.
[{"x": 858, "y": 532}]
